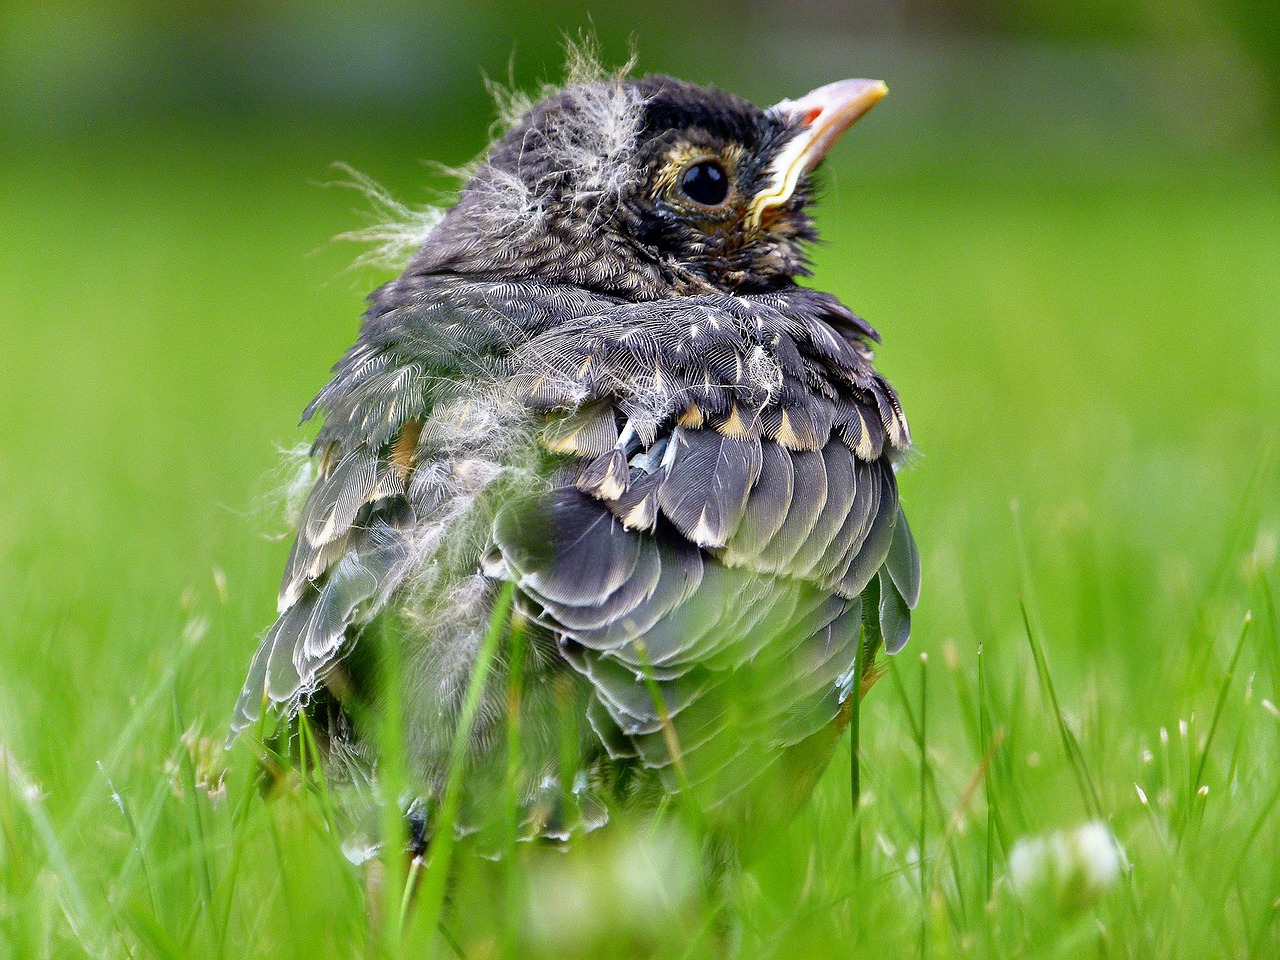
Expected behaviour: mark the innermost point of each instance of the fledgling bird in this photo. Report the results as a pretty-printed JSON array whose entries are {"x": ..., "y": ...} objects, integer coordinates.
[{"x": 598, "y": 397}]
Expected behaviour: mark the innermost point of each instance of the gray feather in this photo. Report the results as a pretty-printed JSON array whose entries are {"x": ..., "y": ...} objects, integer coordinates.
[
  {"x": 817, "y": 558},
  {"x": 605, "y": 477},
  {"x": 590, "y": 430},
  {"x": 566, "y": 549},
  {"x": 707, "y": 484},
  {"x": 857, "y": 525},
  {"x": 809, "y": 496},
  {"x": 767, "y": 507},
  {"x": 903, "y": 562},
  {"x": 895, "y": 615},
  {"x": 335, "y": 501},
  {"x": 875, "y": 547}
]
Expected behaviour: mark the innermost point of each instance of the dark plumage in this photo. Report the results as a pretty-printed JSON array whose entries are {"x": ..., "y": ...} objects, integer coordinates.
[{"x": 598, "y": 381}]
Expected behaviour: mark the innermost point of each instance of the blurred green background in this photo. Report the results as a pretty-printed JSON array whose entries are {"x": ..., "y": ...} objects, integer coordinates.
[{"x": 1065, "y": 221}]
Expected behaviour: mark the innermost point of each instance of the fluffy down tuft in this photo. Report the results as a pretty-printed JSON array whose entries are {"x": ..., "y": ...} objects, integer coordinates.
[
  {"x": 591, "y": 145},
  {"x": 397, "y": 230}
]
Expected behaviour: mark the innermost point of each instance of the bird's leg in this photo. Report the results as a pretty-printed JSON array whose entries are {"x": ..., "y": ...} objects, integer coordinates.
[
  {"x": 416, "y": 851},
  {"x": 375, "y": 874}
]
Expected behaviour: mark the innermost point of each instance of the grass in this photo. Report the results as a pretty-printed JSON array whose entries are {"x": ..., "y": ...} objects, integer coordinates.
[{"x": 1089, "y": 363}]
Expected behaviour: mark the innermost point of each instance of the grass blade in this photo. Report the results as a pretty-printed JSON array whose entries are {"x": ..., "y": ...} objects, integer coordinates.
[
  {"x": 443, "y": 840},
  {"x": 1070, "y": 746},
  {"x": 1198, "y": 779},
  {"x": 924, "y": 805}
]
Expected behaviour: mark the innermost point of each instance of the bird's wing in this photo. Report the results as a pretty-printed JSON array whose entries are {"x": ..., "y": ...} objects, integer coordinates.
[
  {"x": 724, "y": 494},
  {"x": 412, "y": 431},
  {"x": 731, "y": 497}
]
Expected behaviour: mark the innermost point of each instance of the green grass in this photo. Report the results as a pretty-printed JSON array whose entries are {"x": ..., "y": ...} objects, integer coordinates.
[{"x": 1089, "y": 363}]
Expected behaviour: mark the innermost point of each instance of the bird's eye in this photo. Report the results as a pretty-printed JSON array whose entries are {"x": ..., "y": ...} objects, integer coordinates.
[{"x": 706, "y": 183}]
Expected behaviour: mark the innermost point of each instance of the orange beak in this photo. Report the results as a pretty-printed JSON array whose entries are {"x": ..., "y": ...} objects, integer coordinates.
[{"x": 824, "y": 114}]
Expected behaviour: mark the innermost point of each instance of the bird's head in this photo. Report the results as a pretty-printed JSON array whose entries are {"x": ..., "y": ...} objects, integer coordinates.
[{"x": 648, "y": 187}]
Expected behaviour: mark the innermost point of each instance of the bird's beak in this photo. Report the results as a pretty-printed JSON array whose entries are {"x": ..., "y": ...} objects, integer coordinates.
[{"x": 824, "y": 115}]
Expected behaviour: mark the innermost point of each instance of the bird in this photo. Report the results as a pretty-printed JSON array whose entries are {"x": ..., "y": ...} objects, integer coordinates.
[{"x": 599, "y": 437}]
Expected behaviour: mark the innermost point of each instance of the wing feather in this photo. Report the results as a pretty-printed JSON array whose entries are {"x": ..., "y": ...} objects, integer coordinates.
[
  {"x": 816, "y": 558},
  {"x": 767, "y": 507},
  {"x": 903, "y": 562},
  {"x": 808, "y": 498},
  {"x": 708, "y": 480},
  {"x": 875, "y": 547},
  {"x": 721, "y": 493},
  {"x": 895, "y": 615}
]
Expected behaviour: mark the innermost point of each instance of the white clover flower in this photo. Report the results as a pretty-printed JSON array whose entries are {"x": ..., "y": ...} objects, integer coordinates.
[{"x": 1070, "y": 869}]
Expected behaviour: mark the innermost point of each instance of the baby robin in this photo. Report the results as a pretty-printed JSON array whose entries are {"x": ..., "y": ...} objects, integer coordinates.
[{"x": 598, "y": 452}]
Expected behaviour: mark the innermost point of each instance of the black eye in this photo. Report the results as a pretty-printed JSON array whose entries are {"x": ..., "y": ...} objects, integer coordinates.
[{"x": 705, "y": 183}]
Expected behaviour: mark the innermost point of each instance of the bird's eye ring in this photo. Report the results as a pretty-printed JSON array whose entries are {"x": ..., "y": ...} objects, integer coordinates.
[{"x": 705, "y": 182}]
